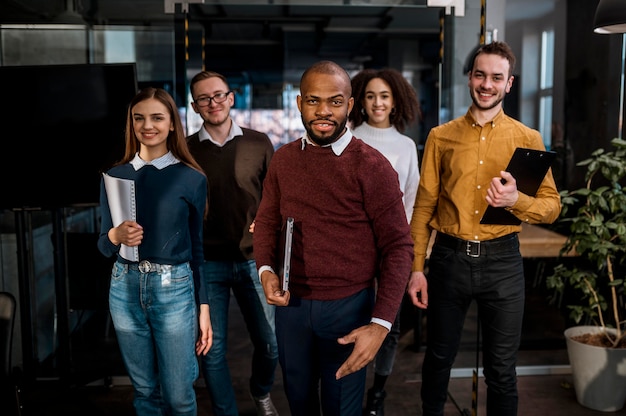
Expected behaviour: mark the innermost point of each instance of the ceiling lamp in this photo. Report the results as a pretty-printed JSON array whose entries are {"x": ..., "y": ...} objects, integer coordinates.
[{"x": 610, "y": 17}]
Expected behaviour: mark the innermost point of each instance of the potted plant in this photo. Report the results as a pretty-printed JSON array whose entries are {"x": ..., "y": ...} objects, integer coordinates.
[{"x": 593, "y": 285}]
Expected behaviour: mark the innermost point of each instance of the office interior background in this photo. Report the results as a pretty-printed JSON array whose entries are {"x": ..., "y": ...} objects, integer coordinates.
[{"x": 568, "y": 85}]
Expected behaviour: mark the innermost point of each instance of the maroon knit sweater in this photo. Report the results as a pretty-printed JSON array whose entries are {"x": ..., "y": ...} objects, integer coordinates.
[{"x": 350, "y": 224}]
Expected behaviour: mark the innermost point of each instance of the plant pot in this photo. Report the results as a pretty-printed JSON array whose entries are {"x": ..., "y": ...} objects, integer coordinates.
[{"x": 599, "y": 374}]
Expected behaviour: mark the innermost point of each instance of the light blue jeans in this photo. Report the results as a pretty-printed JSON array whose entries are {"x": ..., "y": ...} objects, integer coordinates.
[
  {"x": 242, "y": 278},
  {"x": 156, "y": 322}
]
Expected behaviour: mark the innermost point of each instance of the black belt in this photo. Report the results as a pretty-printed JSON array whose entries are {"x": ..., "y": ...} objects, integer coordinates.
[
  {"x": 145, "y": 266},
  {"x": 478, "y": 248}
]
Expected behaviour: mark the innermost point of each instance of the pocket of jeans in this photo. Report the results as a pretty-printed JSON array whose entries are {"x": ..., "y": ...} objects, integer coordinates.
[{"x": 118, "y": 271}]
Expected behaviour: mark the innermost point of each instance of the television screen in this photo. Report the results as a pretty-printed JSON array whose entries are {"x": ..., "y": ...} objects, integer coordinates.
[{"x": 63, "y": 125}]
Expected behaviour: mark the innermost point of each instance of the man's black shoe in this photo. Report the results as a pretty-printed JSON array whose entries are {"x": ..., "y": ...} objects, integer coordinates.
[{"x": 375, "y": 403}]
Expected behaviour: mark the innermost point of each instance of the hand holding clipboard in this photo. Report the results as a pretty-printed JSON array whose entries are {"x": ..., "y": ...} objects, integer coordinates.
[{"x": 528, "y": 167}]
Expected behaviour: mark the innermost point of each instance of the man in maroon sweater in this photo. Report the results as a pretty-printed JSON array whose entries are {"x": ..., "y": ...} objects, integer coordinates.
[{"x": 350, "y": 233}]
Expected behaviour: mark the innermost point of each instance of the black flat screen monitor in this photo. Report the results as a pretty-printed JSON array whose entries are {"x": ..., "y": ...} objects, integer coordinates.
[{"x": 62, "y": 126}]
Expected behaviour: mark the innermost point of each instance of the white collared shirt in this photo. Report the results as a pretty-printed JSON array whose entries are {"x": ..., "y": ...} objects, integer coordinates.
[
  {"x": 338, "y": 146},
  {"x": 159, "y": 163},
  {"x": 235, "y": 131}
]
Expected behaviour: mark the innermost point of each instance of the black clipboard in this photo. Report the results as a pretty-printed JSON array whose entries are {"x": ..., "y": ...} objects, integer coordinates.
[{"x": 528, "y": 167}]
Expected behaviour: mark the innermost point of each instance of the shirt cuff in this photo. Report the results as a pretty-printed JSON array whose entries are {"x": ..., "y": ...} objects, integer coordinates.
[
  {"x": 265, "y": 268},
  {"x": 382, "y": 322}
]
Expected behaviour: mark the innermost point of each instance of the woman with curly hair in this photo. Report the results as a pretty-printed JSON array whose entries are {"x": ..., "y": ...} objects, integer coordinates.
[{"x": 385, "y": 103}]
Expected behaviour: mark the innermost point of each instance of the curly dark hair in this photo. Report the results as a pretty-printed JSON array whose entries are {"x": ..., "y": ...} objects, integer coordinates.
[{"x": 407, "y": 108}]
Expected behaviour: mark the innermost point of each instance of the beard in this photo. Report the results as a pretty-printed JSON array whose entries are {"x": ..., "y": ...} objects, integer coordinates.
[
  {"x": 483, "y": 107},
  {"x": 325, "y": 140},
  {"x": 217, "y": 120}
]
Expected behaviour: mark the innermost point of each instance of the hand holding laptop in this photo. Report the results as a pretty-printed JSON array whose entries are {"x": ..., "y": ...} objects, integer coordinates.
[{"x": 287, "y": 253}]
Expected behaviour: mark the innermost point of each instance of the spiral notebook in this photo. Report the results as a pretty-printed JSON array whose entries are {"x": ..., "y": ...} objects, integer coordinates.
[
  {"x": 122, "y": 204},
  {"x": 528, "y": 167}
]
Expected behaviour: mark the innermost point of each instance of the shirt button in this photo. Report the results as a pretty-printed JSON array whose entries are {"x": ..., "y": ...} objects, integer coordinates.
[
  {"x": 482, "y": 138},
  {"x": 478, "y": 187},
  {"x": 476, "y": 212},
  {"x": 481, "y": 162}
]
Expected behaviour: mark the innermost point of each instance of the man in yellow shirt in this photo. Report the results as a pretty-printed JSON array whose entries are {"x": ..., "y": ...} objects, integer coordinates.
[{"x": 463, "y": 172}]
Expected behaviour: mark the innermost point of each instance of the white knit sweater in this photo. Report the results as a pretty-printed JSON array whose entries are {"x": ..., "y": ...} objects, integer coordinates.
[{"x": 401, "y": 151}]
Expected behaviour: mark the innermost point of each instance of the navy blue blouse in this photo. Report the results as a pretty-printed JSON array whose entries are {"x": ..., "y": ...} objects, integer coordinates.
[{"x": 170, "y": 202}]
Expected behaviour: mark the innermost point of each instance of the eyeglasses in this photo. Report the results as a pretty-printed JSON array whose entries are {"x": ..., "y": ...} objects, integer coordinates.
[{"x": 218, "y": 98}]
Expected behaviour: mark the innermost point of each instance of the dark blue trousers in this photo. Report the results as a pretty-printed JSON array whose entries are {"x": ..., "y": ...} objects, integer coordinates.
[
  {"x": 495, "y": 281},
  {"x": 309, "y": 354}
]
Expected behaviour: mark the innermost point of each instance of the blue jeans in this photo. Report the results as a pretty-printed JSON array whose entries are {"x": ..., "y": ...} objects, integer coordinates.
[
  {"x": 156, "y": 323},
  {"x": 220, "y": 277},
  {"x": 496, "y": 283}
]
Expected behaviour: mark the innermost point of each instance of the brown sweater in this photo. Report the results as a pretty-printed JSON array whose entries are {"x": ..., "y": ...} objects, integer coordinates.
[
  {"x": 350, "y": 225},
  {"x": 235, "y": 174}
]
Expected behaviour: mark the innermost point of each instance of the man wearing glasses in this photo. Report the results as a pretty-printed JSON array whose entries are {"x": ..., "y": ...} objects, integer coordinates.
[{"x": 235, "y": 160}]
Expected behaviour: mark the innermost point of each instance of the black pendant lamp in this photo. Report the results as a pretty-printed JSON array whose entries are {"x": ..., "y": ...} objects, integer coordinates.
[{"x": 610, "y": 17}]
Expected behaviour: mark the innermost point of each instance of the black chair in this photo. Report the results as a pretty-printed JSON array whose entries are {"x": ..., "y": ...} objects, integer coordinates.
[{"x": 9, "y": 391}]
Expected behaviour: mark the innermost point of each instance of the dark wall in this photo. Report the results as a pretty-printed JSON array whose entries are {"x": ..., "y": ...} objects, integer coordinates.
[
  {"x": 592, "y": 88},
  {"x": 65, "y": 124}
]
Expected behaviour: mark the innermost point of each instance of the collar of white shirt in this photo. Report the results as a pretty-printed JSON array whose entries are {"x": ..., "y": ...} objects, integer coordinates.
[
  {"x": 235, "y": 131},
  {"x": 338, "y": 146},
  {"x": 159, "y": 163}
]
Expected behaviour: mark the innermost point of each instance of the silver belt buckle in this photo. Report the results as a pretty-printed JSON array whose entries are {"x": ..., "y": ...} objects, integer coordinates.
[
  {"x": 472, "y": 248},
  {"x": 145, "y": 266}
]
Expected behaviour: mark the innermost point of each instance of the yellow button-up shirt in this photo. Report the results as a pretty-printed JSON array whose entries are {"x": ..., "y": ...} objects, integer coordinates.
[{"x": 460, "y": 159}]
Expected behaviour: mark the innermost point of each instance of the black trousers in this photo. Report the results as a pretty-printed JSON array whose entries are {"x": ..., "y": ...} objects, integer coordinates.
[
  {"x": 309, "y": 354},
  {"x": 493, "y": 277}
]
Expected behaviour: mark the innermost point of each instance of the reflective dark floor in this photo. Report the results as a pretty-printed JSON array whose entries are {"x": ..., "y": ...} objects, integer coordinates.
[{"x": 545, "y": 385}]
